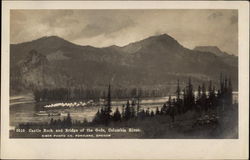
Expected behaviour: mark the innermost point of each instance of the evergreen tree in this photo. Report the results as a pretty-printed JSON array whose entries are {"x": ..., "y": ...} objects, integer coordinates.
[
  {"x": 157, "y": 112},
  {"x": 68, "y": 121},
  {"x": 169, "y": 104},
  {"x": 178, "y": 103},
  {"x": 185, "y": 103},
  {"x": 97, "y": 118},
  {"x": 127, "y": 114},
  {"x": 178, "y": 91},
  {"x": 190, "y": 96},
  {"x": 163, "y": 109},
  {"x": 85, "y": 121},
  {"x": 230, "y": 92},
  {"x": 172, "y": 110},
  {"x": 199, "y": 92},
  {"x": 226, "y": 85},
  {"x": 123, "y": 111},
  {"x": 52, "y": 122},
  {"x": 198, "y": 100},
  {"x": 211, "y": 96},
  {"x": 209, "y": 100},
  {"x": 117, "y": 115},
  {"x": 133, "y": 109},
  {"x": 152, "y": 114},
  {"x": 221, "y": 84},
  {"x": 147, "y": 112},
  {"x": 107, "y": 109},
  {"x": 203, "y": 98},
  {"x": 142, "y": 114},
  {"x": 138, "y": 101}
]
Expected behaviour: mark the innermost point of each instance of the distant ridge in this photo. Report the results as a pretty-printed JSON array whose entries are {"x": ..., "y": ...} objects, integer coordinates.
[
  {"x": 213, "y": 49},
  {"x": 231, "y": 60}
]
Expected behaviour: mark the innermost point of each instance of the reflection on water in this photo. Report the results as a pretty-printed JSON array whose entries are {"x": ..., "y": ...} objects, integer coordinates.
[{"x": 25, "y": 112}]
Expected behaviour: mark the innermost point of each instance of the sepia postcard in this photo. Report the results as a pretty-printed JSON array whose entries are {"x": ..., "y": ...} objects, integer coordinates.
[{"x": 125, "y": 80}]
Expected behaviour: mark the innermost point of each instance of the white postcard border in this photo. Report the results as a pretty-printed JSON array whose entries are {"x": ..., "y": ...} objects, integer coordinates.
[{"x": 128, "y": 148}]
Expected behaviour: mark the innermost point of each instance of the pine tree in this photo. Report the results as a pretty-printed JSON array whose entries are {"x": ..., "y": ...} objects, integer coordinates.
[
  {"x": 157, "y": 112},
  {"x": 142, "y": 114},
  {"x": 221, "y": 84},
  {"x": 107, "y": 109},
  {"x": 68, "y": 121},
  {"x": 138, "y": 101},
  {"x": 172, "y": 113},
  {"x": 211, "y": 97},
  {"x": 133, "y": 109},
  {"x": 190, "y": 95},
  {"x": 169, "y": 104},
  {"x": 210, "y": 94},
  {"x": 127, "y": 114},
  {"x": 52, "y": 122},
  {"x": 178, "y": 90},
  {"x": 230, "y": 92},
  {"x": 117, "y": 115},
  {"x": 199, "y": 92},
  {"x": 226, "y": 85},
  {"x": 152, "y": 114},
  {"x": 97, "y": 118},
  {"x": 163, "y": 109},
  {"x": 85, "y": 121},
  {"x": 123, "y": 111},
  {"x": 203, "y": 98},
  {"x": 185, "y": 103},
  {"x": 198, "y": 100},
  {"x": 178, "y": 103},
  {"x": 147, "y": 112}
]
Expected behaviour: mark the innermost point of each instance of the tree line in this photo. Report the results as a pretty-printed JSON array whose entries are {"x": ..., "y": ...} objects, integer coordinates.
[
  {"x": 73, "y": 94},
  {"x": 206, "y": 100}
]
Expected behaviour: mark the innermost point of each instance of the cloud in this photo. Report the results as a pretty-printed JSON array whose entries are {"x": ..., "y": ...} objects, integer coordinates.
[
  {"x": 106, "y": 26},
  {"x": 215, "y": 15},
  {"x": 102, "y": 28},
  {"x": 59, "y": 18}
]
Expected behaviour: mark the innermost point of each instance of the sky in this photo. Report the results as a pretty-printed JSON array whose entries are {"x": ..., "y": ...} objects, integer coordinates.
[{"x": 101, "y": 28}]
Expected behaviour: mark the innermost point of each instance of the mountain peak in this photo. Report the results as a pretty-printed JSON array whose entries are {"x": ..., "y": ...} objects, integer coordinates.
[
  {"x": 50, "y": 38},
  {"x": 164, "y": 35},
  {"x": 161, "y": 37},
  {"x": 161, "y": 43}
]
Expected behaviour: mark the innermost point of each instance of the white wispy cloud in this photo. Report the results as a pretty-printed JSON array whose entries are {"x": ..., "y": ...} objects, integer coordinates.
[{"x": 119, "y": 27}]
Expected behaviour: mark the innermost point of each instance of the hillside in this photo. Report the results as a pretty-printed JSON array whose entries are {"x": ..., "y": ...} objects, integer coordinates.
[
  {"x": 227, "y": 58},
  {"x": 154, "y": 62}
]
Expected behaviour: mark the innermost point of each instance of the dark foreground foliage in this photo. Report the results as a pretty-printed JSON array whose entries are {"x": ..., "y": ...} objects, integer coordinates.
[
  {"x": 207, "y": 102},
  {"x": 157, "y": 127}
]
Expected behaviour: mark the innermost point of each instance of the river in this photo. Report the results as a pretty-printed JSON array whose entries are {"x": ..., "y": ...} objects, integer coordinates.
[{"x": 23, "y": 109}]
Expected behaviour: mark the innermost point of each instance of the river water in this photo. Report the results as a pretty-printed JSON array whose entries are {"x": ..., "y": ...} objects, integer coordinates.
[
  {"x": 22, "y": 112},
  {"x": 23, "y": 109}
]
